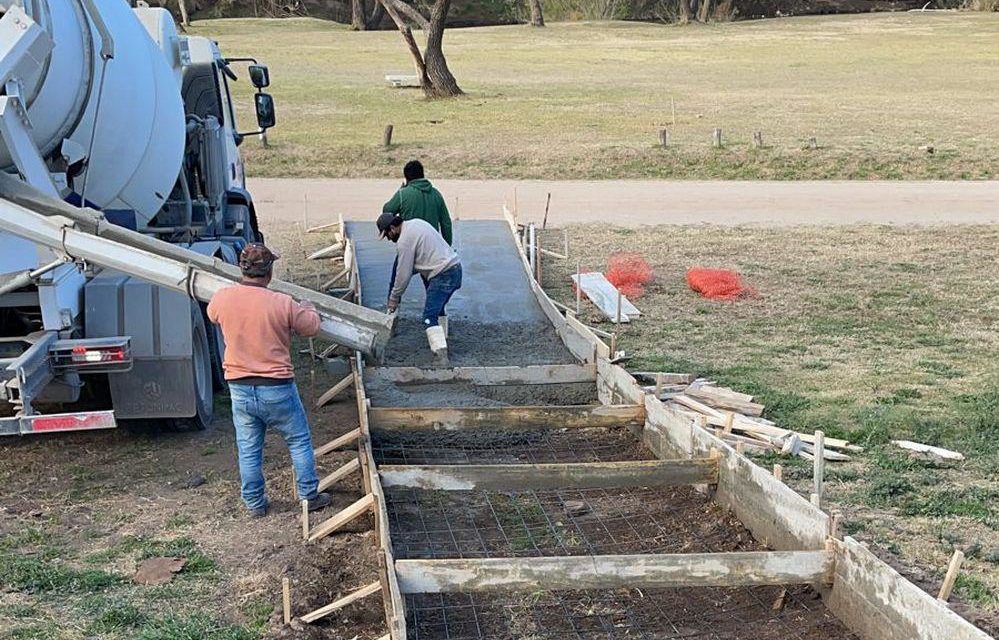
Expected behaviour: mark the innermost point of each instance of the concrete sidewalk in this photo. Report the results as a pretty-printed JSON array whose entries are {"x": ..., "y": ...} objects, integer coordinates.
[{"x": 642, "y": 202}]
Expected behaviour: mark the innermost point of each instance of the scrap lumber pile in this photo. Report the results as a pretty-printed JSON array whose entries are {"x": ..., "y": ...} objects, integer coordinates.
[{"x": 736, "y": 418}]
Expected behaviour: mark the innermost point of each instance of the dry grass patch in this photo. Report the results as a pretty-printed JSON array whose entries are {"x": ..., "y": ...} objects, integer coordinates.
[{"x": 869, "y": 333}]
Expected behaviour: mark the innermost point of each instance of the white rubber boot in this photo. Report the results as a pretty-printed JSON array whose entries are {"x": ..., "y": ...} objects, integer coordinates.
[
  {"x": 442, "y": 321},
  {"x": 438, "y": 345}
]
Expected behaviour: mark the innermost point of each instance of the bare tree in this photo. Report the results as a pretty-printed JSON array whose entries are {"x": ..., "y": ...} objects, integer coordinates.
[
  {"x": 436, "y": 78},
  {"x": 705, "y": 11},
  {"x": 537, "y": 17},
  {"x": 684, "y": 11}
]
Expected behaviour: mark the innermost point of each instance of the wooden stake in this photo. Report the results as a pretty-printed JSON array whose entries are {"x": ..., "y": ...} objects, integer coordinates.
[
  {"x": 664, "y": 138},
  {"x": 672, "y": 108},
  {"x": 548, "y": 202},
  {"x": 951, "y": 577},
  {"x": 758, "y": 139},
  {"x": 355, "y": 510},
  {"x": 305, "y": 519},
  {"x": 618, "y": 310},
  {"x": 350, "y": 467},
  {"x": 335, "y": 390},
  {"x": 659, "y": 386},
  {"x": 729, "y": 419},
  {"x": 779, "y": 472},
  {"x": 339, "y": 443},
  {"x": 819, "y": 466},
  {"x": 813, "y": 143},
  {"x": 579, "y": 286},
  {"x": 565, "y": 242},
  {"x": 363, "y": 592},
  {"x": 717, "y": 139},
  {"x": 286, "y": 599},
  {"x": 387, "y": 136}
]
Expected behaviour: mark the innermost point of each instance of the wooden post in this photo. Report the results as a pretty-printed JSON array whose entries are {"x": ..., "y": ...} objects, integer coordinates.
[
  {"x": 263, "y": 139},
  {"x": 758, "y": 139},
  {"x": 951, "y": 577},
  {"x": 717, "y": 137},
  {"x": 819, "y": 467},
  {"x": 729, "y": 420},
  {"x": 305, "y": 519},
  {"x": 659, "y": 386},
  {"x": 618, "y": 310},
  {"x": 579, "y": 286},
  {"x": 664, "y": 138},
  {"x": 286, "y": 599},
  {"x": 516, "y": 205},
  {"x": 672, "y": 108},
  {"x": 613, "y": 345},
  {"x": 813, "y": 143},
  {"x": 548, "y": 203},
  {"x": 779, "y": 472},
  {"x": 387, "y": 137},
  {"x": 565, "y": 242}
]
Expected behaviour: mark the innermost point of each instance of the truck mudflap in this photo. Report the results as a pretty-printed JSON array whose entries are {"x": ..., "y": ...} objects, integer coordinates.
[{"x": 56, "y": 422}]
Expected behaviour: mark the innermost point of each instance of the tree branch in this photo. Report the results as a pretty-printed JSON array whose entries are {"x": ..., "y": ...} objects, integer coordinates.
[{"x": 410, "y": 12}]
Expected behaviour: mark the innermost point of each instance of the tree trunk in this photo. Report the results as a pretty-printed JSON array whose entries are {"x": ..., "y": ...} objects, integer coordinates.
[
  {"x": 441, "y": 79},
  {"x": 537, "y": 17},
  {"x": 684, "y": 11},
  {"x": 183, "y": 13},
  {"x": 357, "y": 20},
  {"x": 705, "y": 11},
  {"x": 407, "y": 37},
  {"x": 377, "y": 14}
]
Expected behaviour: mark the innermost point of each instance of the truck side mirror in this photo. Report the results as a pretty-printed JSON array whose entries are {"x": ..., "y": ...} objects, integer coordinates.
[
  {"x": 259, "y": 76},
  {"x": 265, "y": 110}
]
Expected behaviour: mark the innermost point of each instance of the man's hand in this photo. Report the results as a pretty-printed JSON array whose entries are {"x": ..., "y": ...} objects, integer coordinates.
[{"x": 393, "y": 306}]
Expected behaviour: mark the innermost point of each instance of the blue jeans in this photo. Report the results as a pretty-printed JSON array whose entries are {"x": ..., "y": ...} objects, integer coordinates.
[
  {"x": 254, "y": 409},
  {"x": 440, "y": 288}
]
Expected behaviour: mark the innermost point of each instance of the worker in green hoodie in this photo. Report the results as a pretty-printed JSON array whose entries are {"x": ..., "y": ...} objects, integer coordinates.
[{"x": 417, "y": 198}]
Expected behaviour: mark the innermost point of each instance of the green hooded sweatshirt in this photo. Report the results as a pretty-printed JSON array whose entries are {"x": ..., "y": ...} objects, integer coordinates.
[{"x": 419, "y": 199}]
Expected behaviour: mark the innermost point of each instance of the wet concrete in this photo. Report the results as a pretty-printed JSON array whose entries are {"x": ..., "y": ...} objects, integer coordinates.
[{"x": 494, "y": 318}]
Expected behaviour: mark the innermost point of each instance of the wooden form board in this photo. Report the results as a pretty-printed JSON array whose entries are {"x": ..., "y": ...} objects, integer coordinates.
[
  {"x": 605, "y": 296},
  {"x": 487, "y": 376},
  {"x": 538, "y": 477},
  {"x": 503, "y": 418},
  {"x": 753, "y": 568},
  {"x": 876, "y": 602}
]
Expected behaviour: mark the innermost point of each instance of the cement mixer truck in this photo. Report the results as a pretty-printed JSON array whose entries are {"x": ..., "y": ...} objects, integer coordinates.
[{"x": 111, "y": 116}]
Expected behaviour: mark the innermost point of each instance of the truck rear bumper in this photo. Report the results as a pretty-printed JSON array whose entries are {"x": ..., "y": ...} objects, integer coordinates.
[{"x": 55, "y": 422}]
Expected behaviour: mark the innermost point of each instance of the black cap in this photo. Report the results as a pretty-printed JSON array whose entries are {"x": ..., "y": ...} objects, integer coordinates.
[{"x": 387, "y": 220}]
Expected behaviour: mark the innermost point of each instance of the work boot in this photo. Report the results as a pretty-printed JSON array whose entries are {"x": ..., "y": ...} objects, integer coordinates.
[
  {"x": 442, "y": 321},
  {"x": 260, "y": 512},
  {"x": 321, "y": 501},
  {"x": 438, "y": 345}
]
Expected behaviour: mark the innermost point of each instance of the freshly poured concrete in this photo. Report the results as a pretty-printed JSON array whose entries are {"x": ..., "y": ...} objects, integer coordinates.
[{"x": 494, "y": 317}]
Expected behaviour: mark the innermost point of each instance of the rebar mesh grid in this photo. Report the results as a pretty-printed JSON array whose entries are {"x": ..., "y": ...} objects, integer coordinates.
[
  {"x": 701, "y": 613},
  {"x": 511, "y": 447},
  {"x": 570, "y": 522}
]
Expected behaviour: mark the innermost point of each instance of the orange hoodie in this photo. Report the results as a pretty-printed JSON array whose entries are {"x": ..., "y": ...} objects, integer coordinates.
[{"x": 257, "y": 324}]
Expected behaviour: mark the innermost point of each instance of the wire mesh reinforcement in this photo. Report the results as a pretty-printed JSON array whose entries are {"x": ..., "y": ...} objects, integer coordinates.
[
  {"x": 752, "y": 613},
  {"x": 482, "y": 524},
  {"x": 506, "y": 447}
]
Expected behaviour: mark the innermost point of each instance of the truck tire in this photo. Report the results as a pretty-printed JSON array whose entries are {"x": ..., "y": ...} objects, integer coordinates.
[{"x": 202, "y": 371}]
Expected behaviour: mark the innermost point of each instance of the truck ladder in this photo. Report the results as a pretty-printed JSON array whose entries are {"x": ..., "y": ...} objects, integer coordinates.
[{"x": 84, "y": 235}]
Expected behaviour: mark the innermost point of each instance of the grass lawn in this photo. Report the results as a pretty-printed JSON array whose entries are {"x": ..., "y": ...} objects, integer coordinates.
[
  {"x": 586, "y": 100},
  {"x": 868, "y": 333}
]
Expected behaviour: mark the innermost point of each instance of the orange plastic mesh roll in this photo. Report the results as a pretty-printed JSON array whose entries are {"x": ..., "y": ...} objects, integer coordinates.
[
  {"x": 629, "y": 272},
  {"x": 718, "y": 284}
]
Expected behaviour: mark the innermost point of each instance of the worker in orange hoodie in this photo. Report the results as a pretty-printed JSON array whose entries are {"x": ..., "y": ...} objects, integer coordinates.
[{"x": 257, "y": 325}]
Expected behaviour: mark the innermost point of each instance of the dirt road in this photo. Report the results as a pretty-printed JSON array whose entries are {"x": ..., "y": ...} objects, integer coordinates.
[{"x": 642, "y": 202}]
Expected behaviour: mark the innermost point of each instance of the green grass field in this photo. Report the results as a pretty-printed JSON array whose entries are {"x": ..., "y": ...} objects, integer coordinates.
[{"x": 586, "y": 100}]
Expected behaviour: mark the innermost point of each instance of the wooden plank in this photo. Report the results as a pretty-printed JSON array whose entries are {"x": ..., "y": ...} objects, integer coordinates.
[
  {"x": 353, "y": 465},
  {"x": 605, "y": 296},
  {"x": 335, "y": 390},
  {"x": 286, "y": 599},
  {"x": 343, "y": 518},
  {"x": 538, "y": 477},
  {"x": 667, "y": 378},
  {"x": 332, "y": 251},
  {"x": 753, "y": 568},
  {"x": 350, "y": 598},
  {"x": 503, "y": 418},
  {"x": 874, "y": 601},
  {"x": 721, "y": 401},
  {"x": 339, "y": 443},
  {"x": 487, "y": 376}
]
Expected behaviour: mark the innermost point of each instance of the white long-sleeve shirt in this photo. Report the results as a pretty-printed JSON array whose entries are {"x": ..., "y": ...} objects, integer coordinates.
[{"x": 421, "y": 250}]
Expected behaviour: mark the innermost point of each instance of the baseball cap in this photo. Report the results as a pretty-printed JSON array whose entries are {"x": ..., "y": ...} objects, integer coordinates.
[
  {"x": 385, "y": 221},
  {"x": 255, "y": 259}
]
